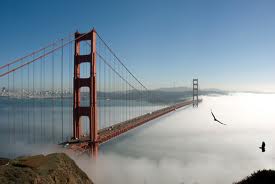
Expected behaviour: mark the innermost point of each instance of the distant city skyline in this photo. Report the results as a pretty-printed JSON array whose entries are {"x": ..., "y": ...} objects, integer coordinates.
[{"x": 228, "y": 45}]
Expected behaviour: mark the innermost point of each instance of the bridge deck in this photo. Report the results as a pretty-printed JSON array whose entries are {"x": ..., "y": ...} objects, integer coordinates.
[
  {"x": 108, "y": 133},
  {"x": 118, "y": 129}
]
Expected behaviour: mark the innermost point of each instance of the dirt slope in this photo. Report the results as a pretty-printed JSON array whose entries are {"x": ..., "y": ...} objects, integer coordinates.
[{"x": 40, "y": 169}]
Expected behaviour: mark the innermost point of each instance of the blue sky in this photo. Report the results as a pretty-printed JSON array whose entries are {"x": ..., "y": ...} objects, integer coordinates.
[{"x": 226, "y": 44}]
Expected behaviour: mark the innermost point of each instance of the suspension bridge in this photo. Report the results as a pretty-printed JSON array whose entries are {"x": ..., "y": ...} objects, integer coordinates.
[{"x": 77, "y": 92}]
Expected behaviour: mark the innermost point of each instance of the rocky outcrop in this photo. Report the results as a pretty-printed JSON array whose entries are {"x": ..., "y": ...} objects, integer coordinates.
[
  {"x": 259, "y": 177},
  {"x": 40, "y": 169}
]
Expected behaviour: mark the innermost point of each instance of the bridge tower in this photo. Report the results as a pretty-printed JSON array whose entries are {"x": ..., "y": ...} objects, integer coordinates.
[
  {"x": 89, "y": 111},
  {"x": 195, "y": 92}
]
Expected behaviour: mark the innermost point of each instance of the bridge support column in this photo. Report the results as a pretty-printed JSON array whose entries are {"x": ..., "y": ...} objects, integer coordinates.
[
  {"x": 90, "y": 110},
  {"x": 94, "y": 150},
  {"x": 195, "y": 92}
]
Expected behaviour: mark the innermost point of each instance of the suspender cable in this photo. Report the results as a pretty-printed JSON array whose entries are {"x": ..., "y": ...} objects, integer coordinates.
[
  {"x": 109, "y": 92},
  {"x": 70, "y": 88},
  {"x": 40, "y": 101},
  {"x": 44, "y": 99},
  {"x": 121, "y": 97},
  {"x": 100, "y": 94},
  {"x": 62, "y": 113},
  {"x": 53, "y": 128},
  {"x": 9, "y": 104},
  {"x": 33, "y": 101},
  {"x": 127, "y": 96},
  {"x": 28, "y": 99},
  {"x": 22, "y": 104},
  {"x": 13, "y": 107},
  {"x": 104, "y": 99},
  {"x": 115, "y": 96}
]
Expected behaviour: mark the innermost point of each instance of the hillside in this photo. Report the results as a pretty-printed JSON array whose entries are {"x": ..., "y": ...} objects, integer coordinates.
[
  {"x": 259, "y": 177},
  {"x": 52, "y": 168}
]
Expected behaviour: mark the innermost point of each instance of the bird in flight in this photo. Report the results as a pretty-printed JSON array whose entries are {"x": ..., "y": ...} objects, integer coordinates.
[
  {"x": 263, "y": 147},
  {"x": 215, "y": 119}
]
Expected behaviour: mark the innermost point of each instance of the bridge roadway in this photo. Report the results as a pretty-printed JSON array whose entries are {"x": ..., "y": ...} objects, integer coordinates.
[{"x": 113, "y": 131}]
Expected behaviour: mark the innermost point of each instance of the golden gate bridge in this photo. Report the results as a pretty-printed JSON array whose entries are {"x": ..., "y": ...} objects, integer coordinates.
[{"x": 77, "y": 92}]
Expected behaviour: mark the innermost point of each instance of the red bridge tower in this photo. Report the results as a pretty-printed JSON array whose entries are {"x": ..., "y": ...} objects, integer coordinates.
[{"x": 91, "y": 110}]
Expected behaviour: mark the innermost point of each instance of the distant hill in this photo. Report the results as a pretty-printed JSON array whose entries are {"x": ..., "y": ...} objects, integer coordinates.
[
  {"x": 172, "y": 95},
  {"x": 184, "y": 89},
  {"x": 175, "y": 89},
  {"x": 161, "y": 95}
]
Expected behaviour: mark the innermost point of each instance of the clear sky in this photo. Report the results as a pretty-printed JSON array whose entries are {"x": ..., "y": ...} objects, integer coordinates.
[{"x": 226, "y": 44}]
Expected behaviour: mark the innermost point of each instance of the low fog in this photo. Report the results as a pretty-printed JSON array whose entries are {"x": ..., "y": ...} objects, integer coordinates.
[{"x": 186, "y": 146}]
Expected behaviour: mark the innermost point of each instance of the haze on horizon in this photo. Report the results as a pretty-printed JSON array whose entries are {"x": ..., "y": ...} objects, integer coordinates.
[{"x": 226, "y": 44}]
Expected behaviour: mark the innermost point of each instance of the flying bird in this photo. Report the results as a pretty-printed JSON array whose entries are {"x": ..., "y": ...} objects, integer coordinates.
[
  {"x": 215, "y": 119},
  {"x": 263, "y": 147}
]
